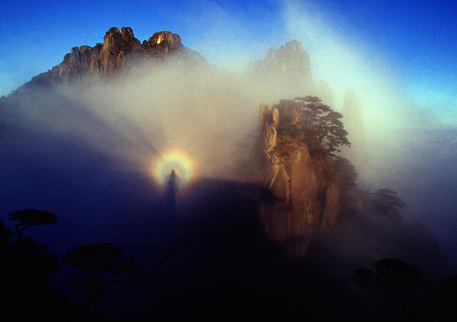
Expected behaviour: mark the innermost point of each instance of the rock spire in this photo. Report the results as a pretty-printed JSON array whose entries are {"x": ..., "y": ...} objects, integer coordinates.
[{"x": 297, "y": 201}]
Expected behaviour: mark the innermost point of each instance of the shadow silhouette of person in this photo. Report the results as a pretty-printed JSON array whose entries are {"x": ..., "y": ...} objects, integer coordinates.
[{"x": 170, "y": 195}]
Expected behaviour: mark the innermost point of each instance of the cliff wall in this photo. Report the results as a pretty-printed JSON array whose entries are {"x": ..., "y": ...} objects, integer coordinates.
[{"x": 298, "y": 202}]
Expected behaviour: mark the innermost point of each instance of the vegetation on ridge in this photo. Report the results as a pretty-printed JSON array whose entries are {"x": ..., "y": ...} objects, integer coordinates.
[
  {"x": 320, "y": 129},
  {"x": 322, "y": 124}
]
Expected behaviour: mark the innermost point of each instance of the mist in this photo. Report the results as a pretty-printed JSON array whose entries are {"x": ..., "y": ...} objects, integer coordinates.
[
  {"x": 88, "y": 152},
  {"x": 144, "y": 114}
]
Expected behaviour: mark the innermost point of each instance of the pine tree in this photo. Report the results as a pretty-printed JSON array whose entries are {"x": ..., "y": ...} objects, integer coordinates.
[{"x": 321, "y": 125}]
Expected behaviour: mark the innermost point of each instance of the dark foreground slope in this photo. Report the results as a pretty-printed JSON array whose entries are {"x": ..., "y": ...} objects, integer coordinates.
[
  {"x": 216, "y": 261},
  {"x": 212, "y": 260}
]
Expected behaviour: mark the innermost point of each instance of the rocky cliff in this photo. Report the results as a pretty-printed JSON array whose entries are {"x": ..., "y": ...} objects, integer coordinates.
[
  {"x": 285, "y": 72},
  {"x": 299, "y": 200},
  {"x": 352, "y": 111},
  {"x": 120, "y": 49}
]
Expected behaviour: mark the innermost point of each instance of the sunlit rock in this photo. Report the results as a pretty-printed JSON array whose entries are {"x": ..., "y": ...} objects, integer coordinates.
[
  {"x": 120, "y": 50},
  {"x": 164, "y": 41},
  {"x": 269, "y": 119},
  {"x": 298, "y": 201}
]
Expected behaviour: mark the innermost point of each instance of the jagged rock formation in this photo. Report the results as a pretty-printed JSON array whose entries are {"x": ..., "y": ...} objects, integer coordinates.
[
  {"x": 298, "y": 202},
  {"x": 354, "y": 126},
  {"x": 285, "y": 72},
  {"x": 120, "y": 49}
]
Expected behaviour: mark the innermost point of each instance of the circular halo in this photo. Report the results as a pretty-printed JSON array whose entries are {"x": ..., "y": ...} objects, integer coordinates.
[{"x": 177, "y": 161}]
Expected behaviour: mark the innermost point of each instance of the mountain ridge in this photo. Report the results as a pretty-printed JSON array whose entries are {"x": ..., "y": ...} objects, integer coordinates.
[
  {"x": 283, "y": 72},
  {"x": 120, "y": 50}
]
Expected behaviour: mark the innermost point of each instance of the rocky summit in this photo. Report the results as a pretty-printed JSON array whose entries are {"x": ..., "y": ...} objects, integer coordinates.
[{"x": 120, "y": 50}]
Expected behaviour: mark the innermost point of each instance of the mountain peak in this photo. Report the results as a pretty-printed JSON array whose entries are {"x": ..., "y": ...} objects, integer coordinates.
[
  {"x": 285, "y": 71},
  {"x": 290, "y": 58},
  {"x": 164, "y": 37},
  {"x": 120, "y": 50},
  {"x": 290, "y": 48}
]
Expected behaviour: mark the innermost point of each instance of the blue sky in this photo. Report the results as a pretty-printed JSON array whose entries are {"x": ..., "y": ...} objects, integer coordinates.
[{"x": 408, "y": 45}]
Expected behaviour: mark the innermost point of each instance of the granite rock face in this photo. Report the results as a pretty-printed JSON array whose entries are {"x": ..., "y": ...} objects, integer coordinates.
[
  {"x": 297, "y": 202},
  {"x": 120, "y": 50},
  {"x": 292, "y": 110},
  {"x": 289, "y": 61},
  {"x": 285, "y": 72}
]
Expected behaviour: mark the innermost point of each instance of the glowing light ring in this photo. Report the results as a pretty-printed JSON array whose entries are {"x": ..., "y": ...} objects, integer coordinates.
[{"x": 177, "y": 161}]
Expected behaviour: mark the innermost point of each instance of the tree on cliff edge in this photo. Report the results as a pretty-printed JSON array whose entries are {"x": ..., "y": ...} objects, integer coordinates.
[
  {"x": 386, "y": 201},
  {"x": 321, "y": 125},
  {"x": 31, "y": 217}
]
